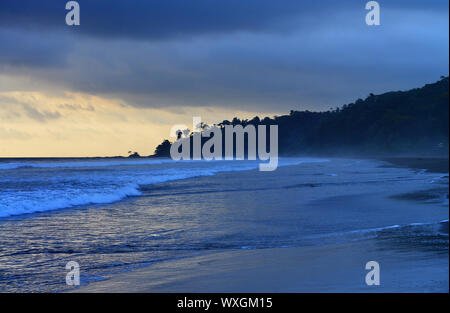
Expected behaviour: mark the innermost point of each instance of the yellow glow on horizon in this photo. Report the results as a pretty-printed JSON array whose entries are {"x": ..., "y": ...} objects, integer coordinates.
[{"x": 68, "y": 124}]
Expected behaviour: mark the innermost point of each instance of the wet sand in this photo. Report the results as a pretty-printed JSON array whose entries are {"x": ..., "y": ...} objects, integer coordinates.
[{"x": 331, "y": 268}]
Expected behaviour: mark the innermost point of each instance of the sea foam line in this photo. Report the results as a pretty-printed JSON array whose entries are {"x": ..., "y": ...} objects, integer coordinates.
[
  {"x": 66, "y": 200},
  {"x": 79, "y": 164}
]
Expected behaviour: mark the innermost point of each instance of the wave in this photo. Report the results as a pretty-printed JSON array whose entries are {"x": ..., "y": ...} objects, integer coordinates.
[
  {"x": 392, "y": 232},
  {"x": 67, "y": 201},
  {"x": 64, "y": 199},
  {"x": 114, "y": 186},
  {"x": 124, "y": 162},
  {"x": 80, "y": 164}
]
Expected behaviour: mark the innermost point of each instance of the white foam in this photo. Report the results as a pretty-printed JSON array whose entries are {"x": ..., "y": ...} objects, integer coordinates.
[
  {"x": 65, "y": 190},
  {"x": 54, "y": 202}
]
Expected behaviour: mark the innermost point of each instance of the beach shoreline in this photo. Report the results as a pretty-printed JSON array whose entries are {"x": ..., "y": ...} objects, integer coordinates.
[
  {"x": 330, "y": 268},
  {"x": 325, "y": 268}
]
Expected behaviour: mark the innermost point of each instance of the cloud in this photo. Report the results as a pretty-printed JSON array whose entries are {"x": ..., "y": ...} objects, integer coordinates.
[
  {"x": 21, "y": 48},
  {"x": 259, "y": 55},
  {"x": 14, "y": 108},
  {"x": 77, "y": 107},
  {"x": 162, "y": 19},
  {"x": 41, "y": 116}
]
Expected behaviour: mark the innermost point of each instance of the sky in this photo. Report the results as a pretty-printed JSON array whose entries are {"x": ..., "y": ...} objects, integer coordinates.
[{"x": 132, "y": 69}]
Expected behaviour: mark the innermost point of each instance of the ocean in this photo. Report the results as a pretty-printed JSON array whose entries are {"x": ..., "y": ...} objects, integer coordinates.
[{"x": 115, "y": 214}]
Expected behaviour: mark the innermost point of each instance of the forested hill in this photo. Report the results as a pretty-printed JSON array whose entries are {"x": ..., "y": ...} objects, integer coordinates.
[{"x": 399, "y": 122}]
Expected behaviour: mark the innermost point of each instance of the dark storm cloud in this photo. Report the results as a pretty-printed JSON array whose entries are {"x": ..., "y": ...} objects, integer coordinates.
[
  {"x": 22, "y": 49},
  {"x": 159, "y": 19},
  {"x": 249, "y": 54},
  {"x": 156, "y": 19}
]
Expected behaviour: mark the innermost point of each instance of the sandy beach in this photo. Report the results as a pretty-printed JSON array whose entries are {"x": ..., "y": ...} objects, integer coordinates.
[
  {"x": 413, "y": 254},
  {"x": 335, "y": 268}
]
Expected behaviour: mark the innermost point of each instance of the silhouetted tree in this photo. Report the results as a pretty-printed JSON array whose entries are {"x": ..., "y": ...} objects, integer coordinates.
[{"x": 163, "y": 149}]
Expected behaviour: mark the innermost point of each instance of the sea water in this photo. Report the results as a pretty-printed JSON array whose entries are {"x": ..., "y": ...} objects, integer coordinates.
[{"x": 113, "y": 215}]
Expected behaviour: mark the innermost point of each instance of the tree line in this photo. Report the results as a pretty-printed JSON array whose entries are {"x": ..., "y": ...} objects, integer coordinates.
[{"x": 398, "y": 122}]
